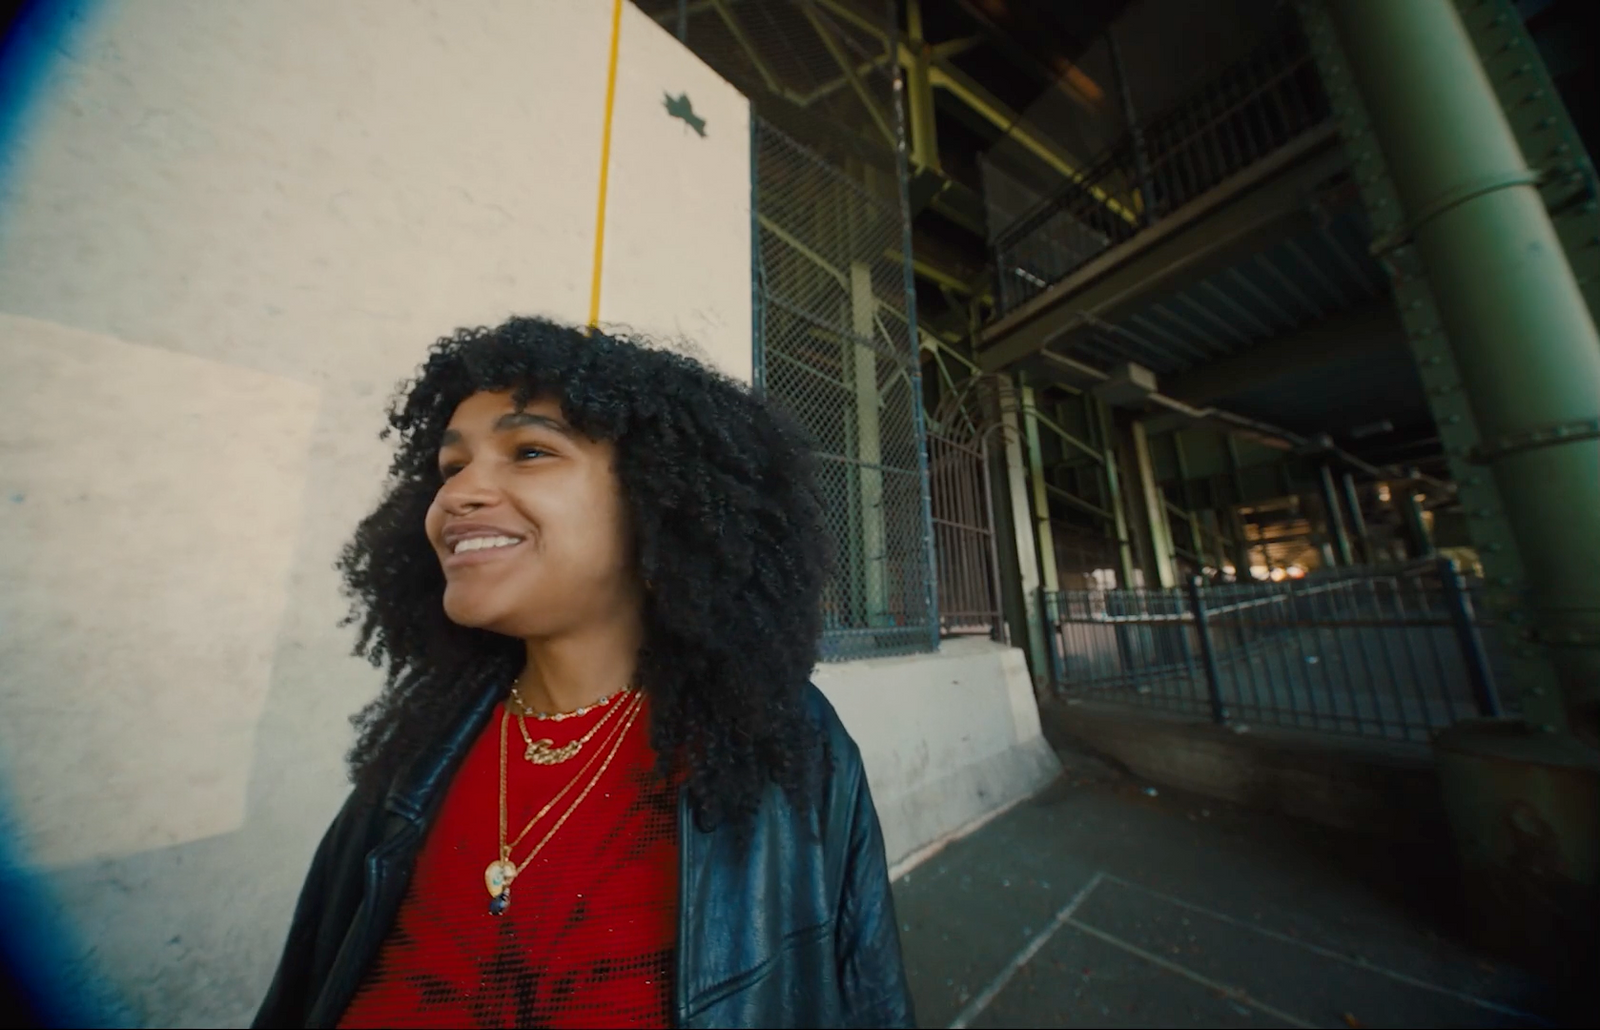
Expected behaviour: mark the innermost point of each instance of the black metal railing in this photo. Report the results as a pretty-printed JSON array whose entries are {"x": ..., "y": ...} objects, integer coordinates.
[
  {"x": 1391, "y": 653},
  {"x": 1250, "y": 110}
]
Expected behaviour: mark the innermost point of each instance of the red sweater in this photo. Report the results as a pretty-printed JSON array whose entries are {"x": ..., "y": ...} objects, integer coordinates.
[{"x": 588, "y": 937}]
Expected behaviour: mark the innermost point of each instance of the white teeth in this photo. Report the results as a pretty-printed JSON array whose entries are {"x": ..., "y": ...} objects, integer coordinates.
[{"x": 483, "y": 543}]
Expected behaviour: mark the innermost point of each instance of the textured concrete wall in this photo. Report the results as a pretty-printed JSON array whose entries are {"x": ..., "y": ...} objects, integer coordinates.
[
  {"x": 227, "y": 229},
  {"x": 1349, "y": 783},
  {"x": 946, "y": 738}
]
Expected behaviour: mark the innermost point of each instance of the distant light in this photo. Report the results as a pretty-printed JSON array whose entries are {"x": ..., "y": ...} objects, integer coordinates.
[
  {"x": 1419, "y": 498},
  {"x": 1295, "y": 572},
  {"x": 1278, "y": 575},
  {"x": 1229, "y": 570},
  {"x": 1259, "y": 572},
  {"x": 1383, "y": 491}
]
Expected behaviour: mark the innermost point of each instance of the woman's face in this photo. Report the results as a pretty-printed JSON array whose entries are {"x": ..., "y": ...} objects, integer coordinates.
[{"x": 529, "y": 525}]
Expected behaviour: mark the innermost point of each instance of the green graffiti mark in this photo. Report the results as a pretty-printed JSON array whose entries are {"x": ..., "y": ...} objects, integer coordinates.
[{"x": 680, "y": 107}]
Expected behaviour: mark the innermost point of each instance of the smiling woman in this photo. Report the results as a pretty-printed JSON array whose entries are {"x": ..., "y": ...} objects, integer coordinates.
[{"x": 615, "y": 556}]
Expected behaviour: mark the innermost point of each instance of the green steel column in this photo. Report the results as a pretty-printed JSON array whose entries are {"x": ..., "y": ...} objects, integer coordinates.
[
  {"x": 1337, "y": 536},
  {"x": 1358, "y": 521},
  {"x": 1114, "y": 493},
  {"x": 1523, "y": 797},
  {"x": 869, "y": 445},
  {"x": 1417, "y": 535},
  {"x": 1022, "y": 526},
  {"x": 1043, "y": 538},
  {"x": 1523, "y": 340},
  {"x": 1155, "y": 511}
]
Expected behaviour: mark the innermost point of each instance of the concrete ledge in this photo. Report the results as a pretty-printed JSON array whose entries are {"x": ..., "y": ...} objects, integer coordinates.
[
  {"x": 947, "y": 738},
  {"x": 1346, "y": 783}
]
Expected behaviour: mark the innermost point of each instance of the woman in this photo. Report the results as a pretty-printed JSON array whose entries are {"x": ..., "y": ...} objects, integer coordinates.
[{"x": 598, "y": 788}]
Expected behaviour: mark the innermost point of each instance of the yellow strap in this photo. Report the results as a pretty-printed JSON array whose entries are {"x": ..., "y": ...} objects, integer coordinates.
[{"x": 605, "y": 166}]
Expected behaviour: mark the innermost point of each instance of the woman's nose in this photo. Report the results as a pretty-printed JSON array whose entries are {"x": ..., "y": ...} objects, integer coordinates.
[{"x": 465, "y": 492}]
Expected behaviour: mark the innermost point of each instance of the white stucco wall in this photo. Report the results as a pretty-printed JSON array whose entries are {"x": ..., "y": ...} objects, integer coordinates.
[
  {"x": 228, "y": 228},
  {"x": 945, "y": 738}
]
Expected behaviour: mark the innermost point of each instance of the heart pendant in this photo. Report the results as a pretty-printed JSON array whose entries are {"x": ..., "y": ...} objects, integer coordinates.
[{"x": 497, "y": 877}]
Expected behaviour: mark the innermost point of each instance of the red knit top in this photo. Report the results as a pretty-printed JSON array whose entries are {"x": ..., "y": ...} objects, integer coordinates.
[{"x": 588, "y": 934}]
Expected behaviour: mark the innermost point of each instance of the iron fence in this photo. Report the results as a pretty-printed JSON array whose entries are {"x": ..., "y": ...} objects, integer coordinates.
[
  {"x": 1253, "y": 108},
  {"x": 1394, "y": 654}
]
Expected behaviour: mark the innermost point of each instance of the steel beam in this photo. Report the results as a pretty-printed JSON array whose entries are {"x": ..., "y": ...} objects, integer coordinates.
[
  {"x": 1368, "y": 329},
  {"x": 843, "y": 61},
  {"x": 1212, "y": 232},
  {"x": 946, "y": 76},
  {"x": 919, "y": 92}
]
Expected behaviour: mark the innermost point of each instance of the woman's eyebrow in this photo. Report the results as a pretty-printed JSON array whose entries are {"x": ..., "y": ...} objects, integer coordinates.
[{"x": 512, "y": 420}]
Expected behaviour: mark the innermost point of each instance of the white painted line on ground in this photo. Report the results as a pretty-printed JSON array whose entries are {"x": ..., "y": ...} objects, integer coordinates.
[
  {"x": 987, "y": 995},
  {"x": 1237, "y": 994},
  {"x": 1351, "y": 960}
]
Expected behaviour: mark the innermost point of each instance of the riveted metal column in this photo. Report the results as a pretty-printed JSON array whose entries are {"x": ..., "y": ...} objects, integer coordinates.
[
  {"x": 1509, "y": 355},
  {"x": 1525, "y": 346}
]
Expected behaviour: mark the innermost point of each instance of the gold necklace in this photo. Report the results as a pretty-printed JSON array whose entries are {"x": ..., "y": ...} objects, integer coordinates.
[
  {"x": 544, "y": 752},
  {"x": 499, "y": 874},
  {"x": 527, "y": 709}
]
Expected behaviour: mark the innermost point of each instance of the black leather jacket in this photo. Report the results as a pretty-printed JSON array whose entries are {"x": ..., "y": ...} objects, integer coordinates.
[{"x": 796, "y": 930}]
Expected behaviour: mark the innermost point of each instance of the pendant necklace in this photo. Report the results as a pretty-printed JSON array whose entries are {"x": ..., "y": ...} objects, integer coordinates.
[{"x": 499, "y": 874}]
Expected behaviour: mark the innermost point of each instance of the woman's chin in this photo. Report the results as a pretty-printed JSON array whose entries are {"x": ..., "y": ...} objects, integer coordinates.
[{"x": 472, "y": 610}]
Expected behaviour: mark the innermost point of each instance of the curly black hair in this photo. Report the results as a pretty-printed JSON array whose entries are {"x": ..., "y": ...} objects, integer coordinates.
[{"x": 727, "y": 530}]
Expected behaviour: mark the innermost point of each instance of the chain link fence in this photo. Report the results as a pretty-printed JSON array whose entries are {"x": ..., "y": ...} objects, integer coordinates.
[
  {"x": 835, "y": 343},
  {"x": 837, "y": 353}
]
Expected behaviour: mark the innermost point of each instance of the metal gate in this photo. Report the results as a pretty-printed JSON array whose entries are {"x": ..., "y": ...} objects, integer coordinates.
[{"x": 963, "y": 524}]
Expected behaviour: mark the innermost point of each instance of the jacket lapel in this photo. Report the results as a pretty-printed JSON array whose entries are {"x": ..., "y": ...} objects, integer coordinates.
[{"x": 412, "y": 799}]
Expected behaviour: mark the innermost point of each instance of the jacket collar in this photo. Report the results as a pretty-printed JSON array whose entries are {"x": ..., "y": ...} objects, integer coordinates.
[{"x": 415, "y": 787}]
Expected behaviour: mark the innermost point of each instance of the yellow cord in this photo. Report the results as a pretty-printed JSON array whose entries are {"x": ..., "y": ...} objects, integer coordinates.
[{"x": 605, "y": 167}]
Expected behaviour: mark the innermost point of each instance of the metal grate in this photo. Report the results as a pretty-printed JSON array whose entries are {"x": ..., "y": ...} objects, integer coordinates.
[
  {"x": 837, "y": 353},
  {"x": 1394, "y": 655}
]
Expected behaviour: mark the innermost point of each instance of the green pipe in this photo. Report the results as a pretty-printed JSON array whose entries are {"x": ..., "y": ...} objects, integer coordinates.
[
  {"x": 1523, "y": 340},
  {"x": 1337, "y": 536}
]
